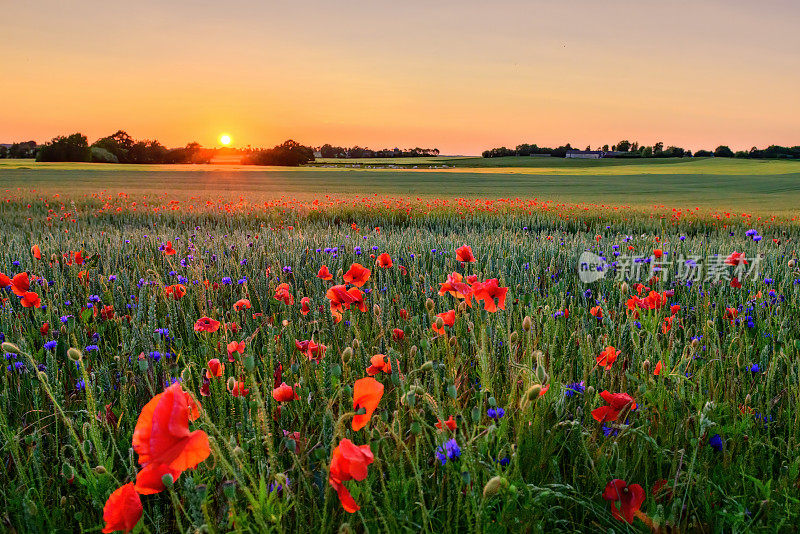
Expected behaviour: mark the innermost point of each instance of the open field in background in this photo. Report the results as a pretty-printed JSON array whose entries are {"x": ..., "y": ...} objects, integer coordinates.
[
  {"x": 510, "y": 411},
  {"x": 763, "y": 187}
]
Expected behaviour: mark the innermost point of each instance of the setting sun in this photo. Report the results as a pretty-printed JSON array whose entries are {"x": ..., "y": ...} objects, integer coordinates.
[{"x": 225, "y": 139}]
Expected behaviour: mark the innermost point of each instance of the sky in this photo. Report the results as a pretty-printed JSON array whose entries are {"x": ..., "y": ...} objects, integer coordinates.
[{"x": 459, "y": 76}]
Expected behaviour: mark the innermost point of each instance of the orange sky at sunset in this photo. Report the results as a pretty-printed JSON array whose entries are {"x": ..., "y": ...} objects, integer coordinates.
[{"x": 461, "y": 76}]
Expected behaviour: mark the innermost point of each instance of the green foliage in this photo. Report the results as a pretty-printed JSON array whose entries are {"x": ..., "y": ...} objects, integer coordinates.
[
  {"x": 70, "y": 148},
  {"x": 58, "y": 425}
]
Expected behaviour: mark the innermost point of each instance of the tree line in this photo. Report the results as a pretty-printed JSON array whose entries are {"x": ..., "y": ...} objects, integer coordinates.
[
  {"x": 120, "y": 147},
  {"x": 329, "y": 151},
  {"x": 628, "y": 149}
]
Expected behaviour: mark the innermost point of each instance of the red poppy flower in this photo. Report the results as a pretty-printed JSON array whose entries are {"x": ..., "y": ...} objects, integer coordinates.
[
  {"x": 597, "y": 311},
  {"x": 658, "y": 253},
  {"x": 608, "y": 357},
  {"x": 367, "y": 393},
  {"x": 487, "y": 292},
  {"x": 242, "y": 304},
  {"x": 5, "y": 281},
  {"x": 659, "y": 366},
  {"x": 384, "y": 260},
  {"x": 107, "y": 313},
  {"x": 357, "y": 275},
  {"x": 304, "y": 305},
  {"x": 736, "y": 259},
  {"x": 348, "y": 462},
  {"x": 123, "y": 509},
  {"x": 312, "y": 350},
  {"x": 358, "y": 299},
  {"x": 731, "y": 313},
  {"x": 324, "y": 273},
  {"x": 215, "y": 368},
  {"x": 379, "y": 362},
  {"x": 616, "y": 403},
  {"x": 31, "y": 300},
  {"x": 666, "y": 325},
  {"x": 44, "y": 329},
  {"x": 674, "y": 309},
  {"x": 206, "y": 324},
  {"x": 464, "y": 254},
  {"x": 37, "y": 253},
  {"x": 20, "y": 284},
  {"x": 456, "y": 287},
  {"x": 449, "y": 318},
  {"x": 238, "y": 389},
  {"x": 630, "y": 498},
  {"x": 168, "y": 250},
  {"x": 450, "y": 423},
  {"x": 176, "y": 291},
  {"x": 735, "y": 283},
  {"x": 398, "y": 334},
  {"x": 284, "y": 393},
  {"x": 283, "y": 293},
  {"x": 233, "y": 347},
  {"x": 162, "y": 436}
]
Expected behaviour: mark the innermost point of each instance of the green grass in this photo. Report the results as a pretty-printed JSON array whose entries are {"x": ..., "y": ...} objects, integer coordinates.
[{"x": 763, "y": 187}]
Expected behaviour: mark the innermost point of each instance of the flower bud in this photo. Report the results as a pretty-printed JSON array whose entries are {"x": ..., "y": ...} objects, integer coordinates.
[
  {"x": 792, "y": 263},
  {"x": 347, "y": 354},
  {"x": 513, "y": 337},
  {"x": 427, "y": 366},
  {"x": 10, "y": 347},
  {"x": 533, "y": 392},
  {"x": 100, "y": 470},
  {"x": 623, "y": 288},
  {"x": 526, "y": 323},
  {"x": 74, "y": 354},
  {"x": 376, "y": 310},
  {"x": 429, "y": 305},
  {"x": 646, "y": 366},
  {"x": 439, "y": 323},
  {"x": 494, "y": 486},
  {"x": 231, "y": 384},
  {"x": 168, "y": 480}
]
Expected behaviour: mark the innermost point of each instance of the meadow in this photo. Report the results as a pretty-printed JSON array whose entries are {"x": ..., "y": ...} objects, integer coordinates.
[{"x": 379, "y": 350}]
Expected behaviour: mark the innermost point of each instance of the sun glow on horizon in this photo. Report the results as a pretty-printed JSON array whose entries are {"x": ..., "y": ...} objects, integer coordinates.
[{"x": 225, "y": 139}]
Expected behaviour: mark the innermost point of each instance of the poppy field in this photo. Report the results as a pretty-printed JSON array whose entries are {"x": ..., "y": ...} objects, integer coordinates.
[{"x": 391, "y": 364}]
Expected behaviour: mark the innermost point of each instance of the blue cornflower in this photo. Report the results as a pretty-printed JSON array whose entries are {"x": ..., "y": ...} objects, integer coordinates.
[
  {"x": 51, "y": 345},
  {"x": 715, "y": 442},
  {"x": 496, "y": 413},
  {"x": 449, "y": 451}
]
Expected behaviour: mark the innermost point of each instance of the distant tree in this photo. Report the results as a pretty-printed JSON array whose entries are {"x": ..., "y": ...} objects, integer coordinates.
[
  {"x": 658, "y": 148},
  {"x": 26, "y": 149},
  {"x": 3, "y": 152},
  {"x": 605, "y": 148},
  {"x": 119, "y": 143},
  {"x": 624, "y": 146},
  {"x": 703, "y": 154},
  {"x": 635, "y": 146},
  {"x": 723, "y": 151},
  {"x": 101, "y": 155},
  {"x": 647, "y": 152},
  {"x": 147, "y": 152},
  {"x": 288, "y": 154},
  {"x": 71, "y": 148}
]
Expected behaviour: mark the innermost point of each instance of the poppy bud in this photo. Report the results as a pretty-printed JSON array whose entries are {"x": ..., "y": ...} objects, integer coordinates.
[
  {"x": 791, "y": 263},
  {"x": 356, "y": 343},
  {"x": 710, "y": 323},
  {"x": 186, "y": 374},
  {"x": 87, "y": 446},
  {"x": 533, "y": 392},
  {"x": 100, "y": 470},
  {"x": 623, "y": 288},
  {"x": 646, "y": 366},
  {"x": 526, "y": 324},
  {"x": 429, "y": 305},
  {"x": 413, "y": 351},
  {"x": 541, "y": 374},
  {"x": 74, "y": 354},
  {"x": 494, "y": 486},
  {"x": 168, "y": 480},
  {"x": 427, "y": 366},
  {"x": 439, "y": 323},
  {"x": 695, "y": 342},
  {"x": 344, "y": 528},
  {"x": 10, "y": 347},
  {"x": 513, "y": 337},
  {"x": 590, "y": 391},
  {"x": 54, "y": 257},
  {"x": 231, "y": 384},
  {"x": 347, "y": 354},
  {"x": 453, "y": 341},
  {"x": 63, "y": 501},
  {"x": 376, "y": 310},
  {"x": 747, "y": 400},
  {"x": 63, "y": 329},
  {"x": 462, "y": 307}
]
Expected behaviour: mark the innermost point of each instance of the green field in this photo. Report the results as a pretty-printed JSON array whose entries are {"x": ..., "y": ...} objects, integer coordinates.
[{"x": 764, "y": 187}]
